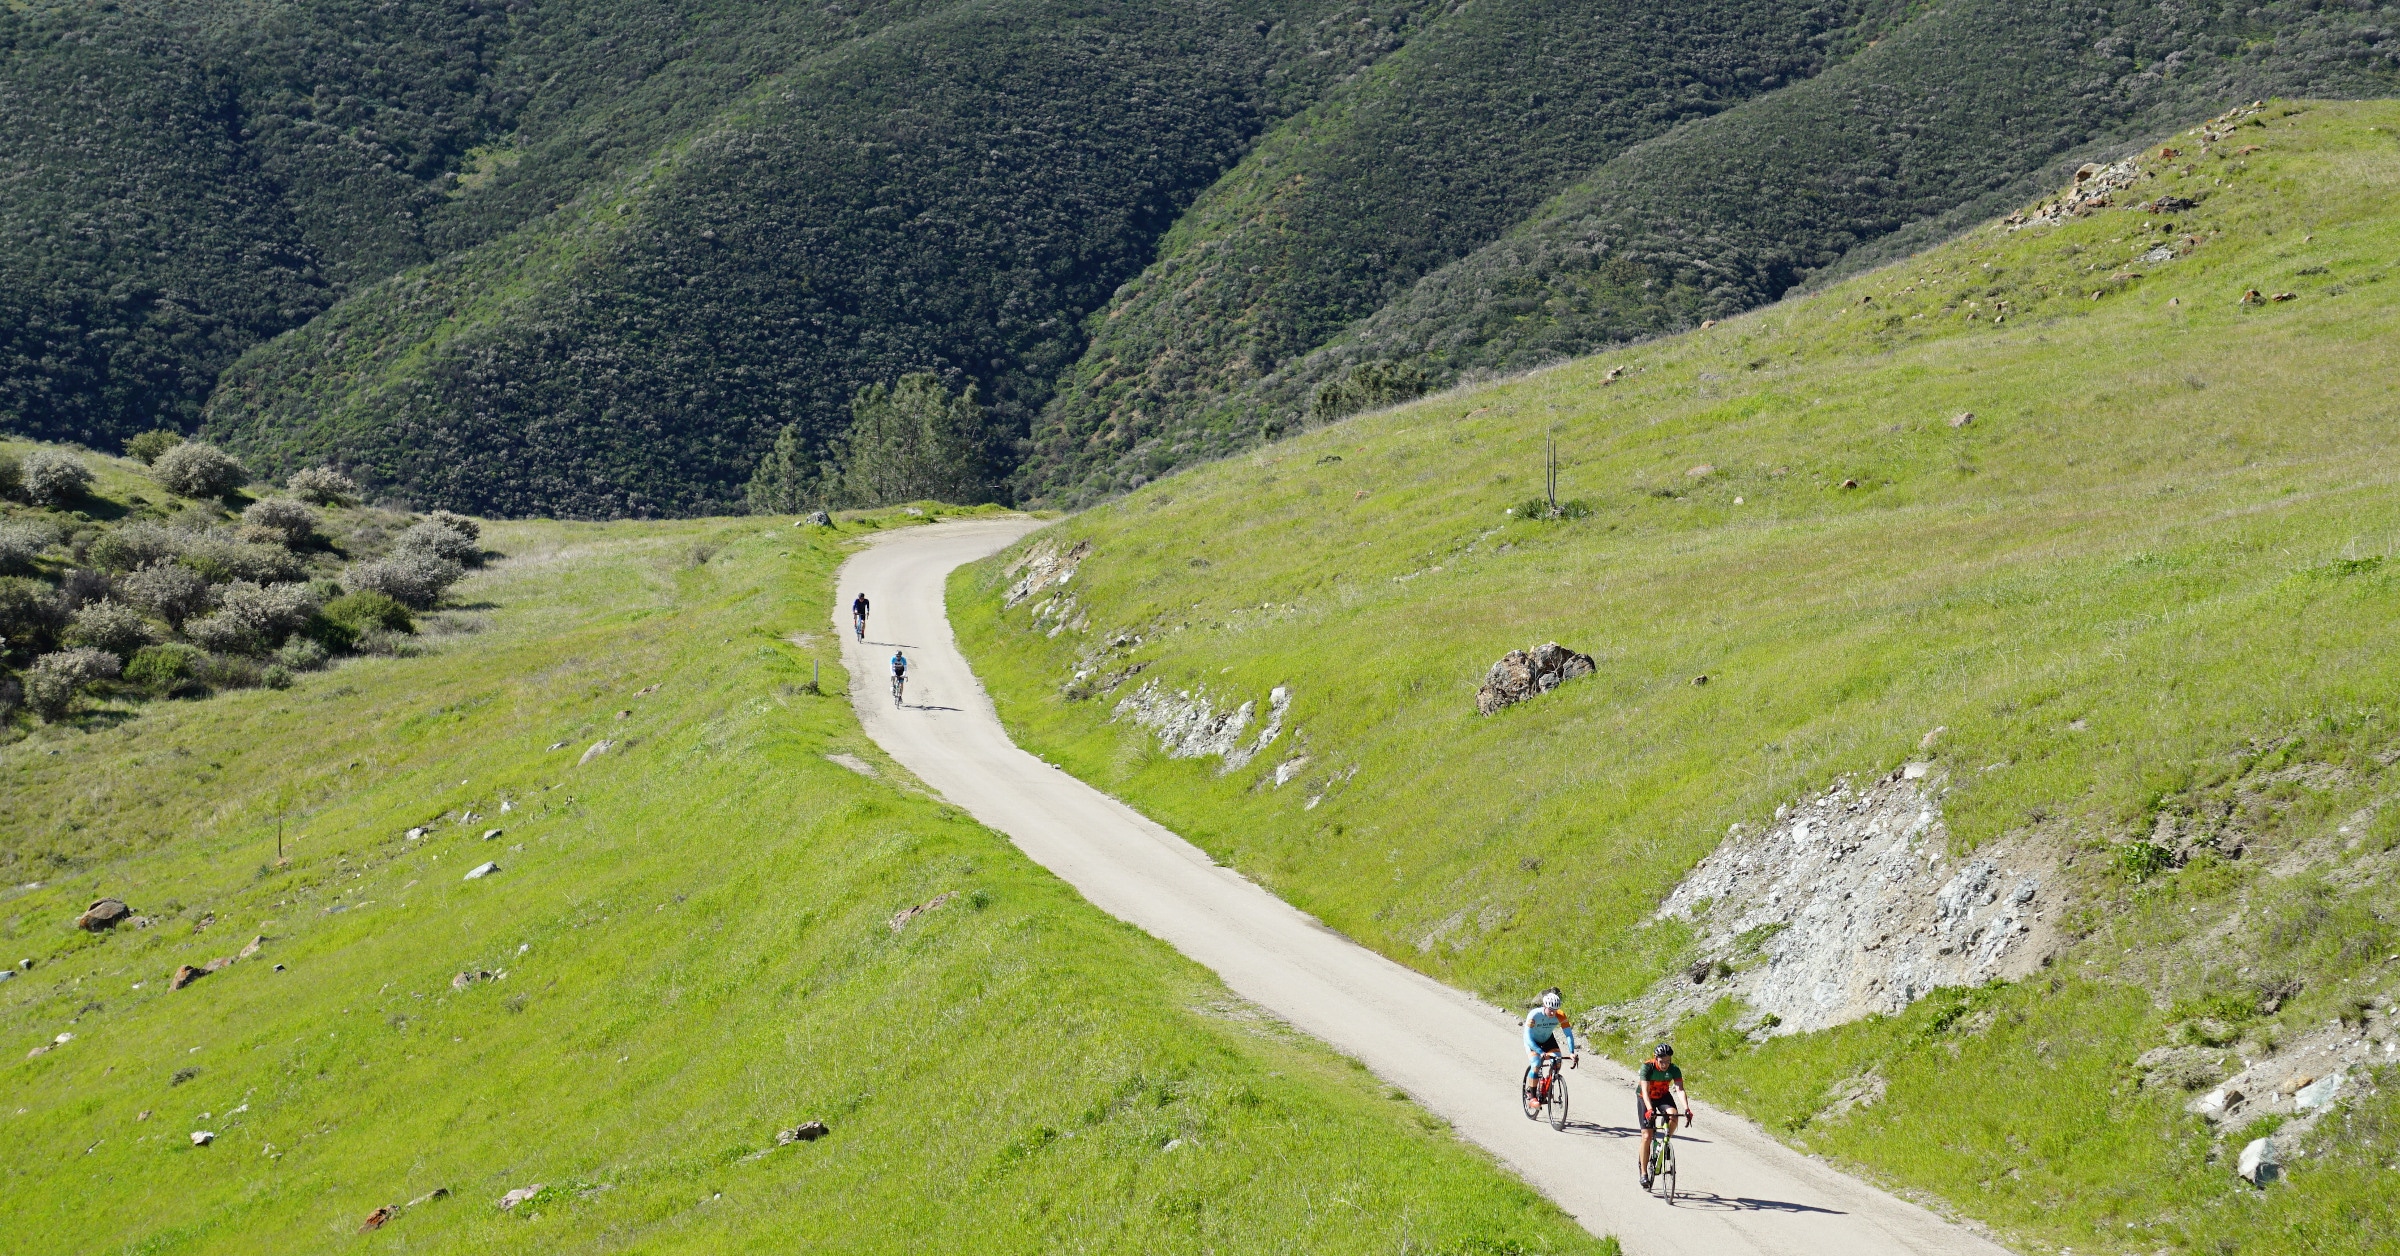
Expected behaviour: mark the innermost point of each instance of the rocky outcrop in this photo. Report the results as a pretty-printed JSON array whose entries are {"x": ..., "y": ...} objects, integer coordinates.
[
  {"x": 1522, "y": 674},
  {"x": 1044, "y": 566},
  {"x": 1190, "y": 725},
  {"x": 1850, "y": 904}
]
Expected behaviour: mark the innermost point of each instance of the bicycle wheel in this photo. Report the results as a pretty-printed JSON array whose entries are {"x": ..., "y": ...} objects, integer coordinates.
[
  {"x": 1666, "y": 1172},
  {"x": 1558, "y": 1103},
  {"x": 1533, "y": 1093}
]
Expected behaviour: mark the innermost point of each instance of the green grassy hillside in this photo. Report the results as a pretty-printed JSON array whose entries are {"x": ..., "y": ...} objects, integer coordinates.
[
  {"x": 1948, "y": 116},
  {"x": 694, "y": 940},
  {"x": 2151, "y": 581}
]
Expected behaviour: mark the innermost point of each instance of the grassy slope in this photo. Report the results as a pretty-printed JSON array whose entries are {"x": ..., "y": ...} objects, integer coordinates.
[
  {"x": 2153, "y": 575},
  {"x": 693, "y": 931}
]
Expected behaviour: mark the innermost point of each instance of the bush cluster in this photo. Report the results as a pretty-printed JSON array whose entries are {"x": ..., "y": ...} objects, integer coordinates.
[
  {"x": 145, "y": 447},
  {"x": 53, "y": 478},
  {"x": 322, "y": 486}
]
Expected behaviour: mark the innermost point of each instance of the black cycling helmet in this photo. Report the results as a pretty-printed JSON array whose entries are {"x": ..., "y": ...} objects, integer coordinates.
[{"x": 1664, "y": 1051}]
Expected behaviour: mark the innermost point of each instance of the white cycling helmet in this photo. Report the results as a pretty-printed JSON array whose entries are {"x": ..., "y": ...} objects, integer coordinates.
[{"x": 1550, "y": 1000}]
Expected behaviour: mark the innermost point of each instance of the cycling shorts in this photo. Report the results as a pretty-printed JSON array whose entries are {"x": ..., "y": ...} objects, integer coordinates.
[{"x": 1547, "y": 1046}]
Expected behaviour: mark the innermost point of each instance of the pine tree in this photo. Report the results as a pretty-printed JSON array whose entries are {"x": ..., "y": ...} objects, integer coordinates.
[
  {"x": 789, "y": 480},
  {"x": 913, "y": 441}
]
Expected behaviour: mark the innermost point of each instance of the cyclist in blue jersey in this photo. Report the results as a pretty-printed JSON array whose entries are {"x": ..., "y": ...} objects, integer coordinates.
[{"x": 1544, "y": 1026}]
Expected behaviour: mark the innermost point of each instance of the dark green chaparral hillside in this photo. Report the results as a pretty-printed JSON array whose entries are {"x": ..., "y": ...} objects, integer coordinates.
[
  {"x": 1949, "y": 113},
  {"x": 2090, "y": 514},
  {"x": 717, "y": 914}
]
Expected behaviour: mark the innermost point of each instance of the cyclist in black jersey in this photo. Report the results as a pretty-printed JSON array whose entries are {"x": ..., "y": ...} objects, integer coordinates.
[{"x": 858, "y": 615}]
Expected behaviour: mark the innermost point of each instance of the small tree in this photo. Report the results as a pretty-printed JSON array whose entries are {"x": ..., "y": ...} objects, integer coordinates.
[
  {"x": 789, "y": 479},
  {"x": 55, "y": 478},
  {"x": 192, "y": 469},
  {"x": 146, "y": 447},
  {"x": 167, "y": 589},
  {"x": 112, "y": 626},
  {"x": 441, "y": 539},
  {"x": 914, "y": 440}
]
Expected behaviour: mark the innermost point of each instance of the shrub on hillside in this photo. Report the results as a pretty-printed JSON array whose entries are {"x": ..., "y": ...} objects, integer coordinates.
[
  {"x": 252, "y": 618},
  {"x": 228, "y": 671},
  {"x": 440, "y": 539},
  {"x": 12, "y": 475},
  {"x": 146, "y": 447},
  {"x": 131, "y": 545},
  {"x": 112, "y": 626},
  {"x": 456, "y": 522},
  {"x": 163, "y": 671},
  {"x": 220, "y": 558},
  {"x": 322, "y": 486},
  {"x": 413, "y": 578},
  {"x": 192, "y": 469},
  {"x": 169, "y": 590},
  {"x": 302, "y": 654},
  {"x": 54, "y": 679},
  {"x": 30, "y": 614},
  {"x": 21, "y": 543},
  {"x": 54, "y": 478},
  {"x": 291, "y": 523},
  {"x": 366, "y": 610}
]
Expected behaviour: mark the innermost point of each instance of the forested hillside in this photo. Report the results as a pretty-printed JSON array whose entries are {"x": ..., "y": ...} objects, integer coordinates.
[
  {"x": 1437, "y": 151},
  {"x": 951, "y": 195},
  {"x": 1959, "y": 110},
  {"x": 590, "y": 257}
]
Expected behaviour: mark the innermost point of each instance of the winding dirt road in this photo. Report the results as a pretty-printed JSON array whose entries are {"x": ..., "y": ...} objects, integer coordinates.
[{"x": 1457, "y": 1057}]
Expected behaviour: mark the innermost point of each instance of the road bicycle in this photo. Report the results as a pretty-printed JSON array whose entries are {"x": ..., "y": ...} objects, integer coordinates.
[
  {"x": 898, "y": 679},
  {"x": 1660, "y": 1172},
  {"x": 1545, "y": 1091},
  {"x": 858, "y": 624}
]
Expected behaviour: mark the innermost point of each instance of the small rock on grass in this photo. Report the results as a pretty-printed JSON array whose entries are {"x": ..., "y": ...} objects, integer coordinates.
[
  {"x": 519, "y": 1195},
  {"x": 480, "y": 871},
  {"x": 463, "y": 980},
  {"x": 598, "y": 748},
  {"x": 2258, "y": 1165},
  {"x": 805, "y": 1132},
  {"x": 202, "y": 1138},
  {"x": 184, "y": 976},
  {"x": 256, "y": 943},
  {"x": 439, "y": 1192},
  {"x": 376, "y": 1218},
  {"x": 489, "y": 834}
]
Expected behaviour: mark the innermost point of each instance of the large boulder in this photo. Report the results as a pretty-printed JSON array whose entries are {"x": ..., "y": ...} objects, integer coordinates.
[
  {"x": 1522, "y": 674},
  {"x": 105, "y": 914}
]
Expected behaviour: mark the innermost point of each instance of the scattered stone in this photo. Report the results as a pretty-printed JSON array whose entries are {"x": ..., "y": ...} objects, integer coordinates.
[
  {"x": 1962, "y": 418},
  {"x": 804, "y": 1132},
  {"x": 2296, "y": 1083},
  {"x": 2283, "y": 296},
  {"x": 25, "y": 964},
  {"x": 645, "y": 692},
  {"x": 1707, "y": 323},
  {"x": 2251, "y": 297},
  {"x": 2318, "y": 1094},
  {"x": 463, "y": 980},
  {"x": 1849, "y": 484},
  {"x": 1615, "y": 373},
  {"x": 418, "y": 834},
  {"x": 598, "y": 748},
  {"x": 913, "y": 512},
  {"x": 185, "y": 976},
  {"x": 142, "y": 1115},
  {"x": 624, "y": 715},
  {"x": 490, "y": 834},
  {"x": 1701, "y": 472},
  {"x": 376, "y": 1218},
  {"x": 279, "y": 968},
  {"x": 2180, "y": 1068},
  {"x": 1699, "y": 680},
  {"x": 2258, "y": 1165},
  {"x": 2245, "y": 150},
  {"x": 219, "y": 964},
  {"x": 480, "y": 871},
  {"x": 900, "y": 921},
  {"x": 104, "y": 914},
  {"x": 1523, "y": 674},
  {"x": 8, "y": 974},
  {"x": 817, "y": 519},
  {"x": 202, "y": 1138},
  {"x": 439, "y": 1192},
  {"x": 1189, "y": 725},
  {"x": 555, "y": 746},
  {"x": 519, "y": 1195}
]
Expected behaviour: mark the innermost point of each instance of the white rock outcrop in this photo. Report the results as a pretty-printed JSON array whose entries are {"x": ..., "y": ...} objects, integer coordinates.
[
  {"x": 1190, "y": 725},
  {"x": 1848, "y": 904}
]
